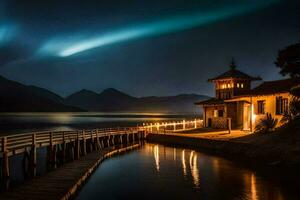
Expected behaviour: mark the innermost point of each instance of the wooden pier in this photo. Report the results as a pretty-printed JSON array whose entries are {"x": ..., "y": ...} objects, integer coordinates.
[
  {"x": 74, "y": 151},
  {"x": 64, "y": 182}
]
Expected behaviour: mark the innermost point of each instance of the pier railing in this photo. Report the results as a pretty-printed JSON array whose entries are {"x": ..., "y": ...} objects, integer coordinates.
[
  {"x": 175, "y": 126},
  {"x": 66, "y": 145}
]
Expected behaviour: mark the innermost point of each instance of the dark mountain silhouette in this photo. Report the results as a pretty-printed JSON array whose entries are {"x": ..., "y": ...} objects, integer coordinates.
[
  {"x": 115, "y": 100},
  {"x": 16, "y": 97}
]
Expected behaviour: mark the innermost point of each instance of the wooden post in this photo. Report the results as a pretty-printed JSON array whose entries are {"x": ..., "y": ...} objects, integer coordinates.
[
  {"x": 84, "y": 143},
  {"x": 33, "y": 156},
  {"x": 195, "y": 123},
  {"x": 77, "y": 147},
  {"x": 174, "y": 124},
  {"x": 128, "y": 140},
  {"x": 183, "y": 124},
  {"x": 108, "y": 136},
  {"x": 52, "y": 153},
  {"x": 64, "y": 146},
  {"x": 97, "y": 140},
  {"x": 113, "y": 140},
  {"x": 72, "y": 146},
  {"x": 229, "y": 125},
  {"x": 91, "y": 142},
  {"x": 121, "y": 139},
  {"x": 5, "y": 163},
  {"x": 133, "y": 139},
  {"x": 151, "y": 128}
]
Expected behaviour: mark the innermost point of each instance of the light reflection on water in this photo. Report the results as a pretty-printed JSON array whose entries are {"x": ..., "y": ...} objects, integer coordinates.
[
  {"x": 160, "y": 172},
  {"x": 26, "y": 122}
]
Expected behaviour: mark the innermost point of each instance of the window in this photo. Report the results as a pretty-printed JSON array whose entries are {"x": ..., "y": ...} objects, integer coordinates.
[
  {"x": 261, "y": 107},
  {"x": 238, "y": 85},
  {"x": 281, "y": 105},
  {"x": 242, "y": 85},
  {"x": 218, "y": 113}
]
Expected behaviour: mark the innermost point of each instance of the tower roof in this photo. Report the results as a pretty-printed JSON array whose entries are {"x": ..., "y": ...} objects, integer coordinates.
[{"x": 234, "y": 73}]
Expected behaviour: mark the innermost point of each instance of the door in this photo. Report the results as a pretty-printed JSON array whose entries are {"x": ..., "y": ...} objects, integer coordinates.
[
  {"x": 246, "y": 117},
  {"x": 209, "y": 123}
]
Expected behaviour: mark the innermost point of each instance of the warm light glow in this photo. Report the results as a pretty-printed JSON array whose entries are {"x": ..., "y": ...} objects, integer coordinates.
[
  {"x": 156, "y": 157},
  {"x": 195, "y": 171},
  {"x": 174, "y": 154},
  {"x": 253, "y": 188},
  {"x": 238, "y": 85},
  {"x": 242, "y": 85},
  {"x": 253, "y": 115},
  {"x": 183, "y": 162},
  {"x": 194, "y": 168}
]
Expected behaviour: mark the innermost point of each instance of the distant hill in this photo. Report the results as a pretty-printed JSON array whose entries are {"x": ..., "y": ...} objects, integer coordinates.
[
  {"x": 16, "y": 97},
  {"x": 111, "y": 100}
]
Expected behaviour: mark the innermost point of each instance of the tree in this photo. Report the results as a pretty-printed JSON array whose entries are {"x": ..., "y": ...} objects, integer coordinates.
[{"x": 288, "y": 60}]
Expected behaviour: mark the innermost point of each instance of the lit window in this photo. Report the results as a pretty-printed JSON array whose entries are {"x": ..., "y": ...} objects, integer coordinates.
[
  {"x": 242, "y": 85},
  {"x": 261, "y": 107},
  {"x": 228, "y": 85},
  {"x": 281, "y": 105},
  {"x": 237, "y": 85}
]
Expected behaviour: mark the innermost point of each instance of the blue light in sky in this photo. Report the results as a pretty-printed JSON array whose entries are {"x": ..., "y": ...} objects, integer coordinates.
[
  {"x": 6, "y": 33},
  {"x": 65, "y": 47}
]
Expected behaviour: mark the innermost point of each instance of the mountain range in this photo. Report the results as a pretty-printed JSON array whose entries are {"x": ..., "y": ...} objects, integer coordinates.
[{"x": 17, "y": 97}]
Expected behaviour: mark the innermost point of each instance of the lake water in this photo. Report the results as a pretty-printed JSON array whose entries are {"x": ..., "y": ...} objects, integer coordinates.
[
  {"x": 26, "y": 122},
  {"x": 160, "y": 172}
]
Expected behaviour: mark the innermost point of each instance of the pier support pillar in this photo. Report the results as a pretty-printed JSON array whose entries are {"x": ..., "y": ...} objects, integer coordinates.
[
  {"x": 108, "y": 141},
  {"x": 64, "y": 147},
  {"x": 84, "y": 143},
  {"x": 121, "y": 139},
  {"x": 77, "y": 147},
  {"x": 32, "y": 166},
  {"x": 5, "y": 163}
]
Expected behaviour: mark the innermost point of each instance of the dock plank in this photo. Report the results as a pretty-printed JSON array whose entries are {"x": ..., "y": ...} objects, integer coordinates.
[{"x": 62, "y": 182}]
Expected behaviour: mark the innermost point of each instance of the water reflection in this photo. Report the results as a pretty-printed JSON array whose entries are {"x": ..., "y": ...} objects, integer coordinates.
[
  {"x": 253, "y": 188},
  {"x": 156, "y": 157},
  {"x": 183, "y": 162},
  {"x": 26, "y": 122},
  {"x": 194, "y": 168},
  {"x": 160, "y": 172}
]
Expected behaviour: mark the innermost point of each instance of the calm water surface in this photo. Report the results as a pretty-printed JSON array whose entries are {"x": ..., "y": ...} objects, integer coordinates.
[
  {"x": 160, "y": 172},
  {"x": 27, "y": 122}
]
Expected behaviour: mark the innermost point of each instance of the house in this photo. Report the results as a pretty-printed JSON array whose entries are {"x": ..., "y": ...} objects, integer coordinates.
[{"x": 236, "y": 100}]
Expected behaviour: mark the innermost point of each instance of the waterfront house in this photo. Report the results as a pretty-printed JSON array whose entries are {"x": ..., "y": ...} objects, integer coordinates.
[{"x": 244, "y": 106}]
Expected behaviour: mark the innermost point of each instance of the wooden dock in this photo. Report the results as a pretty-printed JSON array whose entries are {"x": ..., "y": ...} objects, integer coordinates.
[
  {"x": 65, "y": 181},
  {"x": 71, "y": 156}
]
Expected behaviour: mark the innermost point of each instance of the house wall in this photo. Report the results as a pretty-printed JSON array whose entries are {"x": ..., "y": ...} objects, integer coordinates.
[
  {"x": 209, "y": 115},
  {"x": 270, "y": 106},
  {"x": 228, "y": 88}
]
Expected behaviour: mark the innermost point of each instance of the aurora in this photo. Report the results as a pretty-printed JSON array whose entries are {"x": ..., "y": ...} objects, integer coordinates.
[{"x": 64, "y": 47}]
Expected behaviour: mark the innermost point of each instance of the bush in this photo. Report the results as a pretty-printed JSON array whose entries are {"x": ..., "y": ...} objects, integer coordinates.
[{"x": 266, "y": 124}]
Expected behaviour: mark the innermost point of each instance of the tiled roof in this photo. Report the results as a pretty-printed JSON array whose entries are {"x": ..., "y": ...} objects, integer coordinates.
[
  {"x": 210, "y": 101},
  {"x": 234, "y": 73},
  {"x": 272, "y": 87}
]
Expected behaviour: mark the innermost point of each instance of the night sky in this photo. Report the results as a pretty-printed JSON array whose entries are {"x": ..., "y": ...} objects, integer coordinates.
[{"x": 140, "y": 47}]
